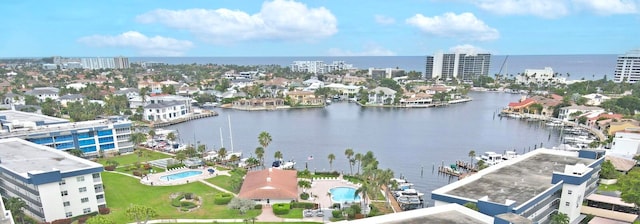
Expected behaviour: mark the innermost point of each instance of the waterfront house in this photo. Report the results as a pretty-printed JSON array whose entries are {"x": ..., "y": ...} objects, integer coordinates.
[
  {"x": 305, "y": 98},
  {"x": 258, "y": 104},
  {"x": 566, "y": 112},
  {"x": 595, "y": 99},
  {"x": 270, "y": 186},
  {"x": 381, "y": 95},
  {"x": 345, "y": 90},
  {"x": 417, "y": 100},
  {"x": 53, "y": 184},
  {"x": 531, "y": 187},
  {"x": 165, "y": 111}
]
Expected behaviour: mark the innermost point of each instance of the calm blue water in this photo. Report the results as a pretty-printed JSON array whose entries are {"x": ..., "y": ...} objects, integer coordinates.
[
  {"x": 181, "y": 175},
  {"x": 411, "y": 142},
  {"x": 578, "y": 66},
  {"x": 344, "y": 194}
]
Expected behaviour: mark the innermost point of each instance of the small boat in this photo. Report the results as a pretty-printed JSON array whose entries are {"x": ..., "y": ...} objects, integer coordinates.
[
  {"x": 210, "y": 104},
  {"x": 554, "y": 123}
]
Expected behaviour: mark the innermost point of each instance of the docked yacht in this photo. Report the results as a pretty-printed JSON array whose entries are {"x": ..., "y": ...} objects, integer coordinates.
[
  {"x": 407, "y": 197},
  {"x": 493, "y": 158}
]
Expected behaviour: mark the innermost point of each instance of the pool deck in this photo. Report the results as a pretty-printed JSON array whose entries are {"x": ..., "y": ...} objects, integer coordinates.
[
  {"x": 154, "y": 178},
  {"x": 321, "y": 187}
]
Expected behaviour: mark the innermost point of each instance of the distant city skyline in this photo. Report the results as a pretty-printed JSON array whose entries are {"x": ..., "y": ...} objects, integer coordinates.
[{"x": 253, "y": 28}]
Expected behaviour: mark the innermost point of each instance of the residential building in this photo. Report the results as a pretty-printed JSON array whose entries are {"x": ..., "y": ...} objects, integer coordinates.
[
  {"x": 304, "y": 98},
  {"x": 628, "y": 67},
  {"x": 70, "y": 98},
  {"x": 97, "y": 63},
  {"x": 344, "y": 90},
  {"x": 623, "y": 125},
  {"x": 12, "y": 98},
  {"x": 185, "y": 101},
  {"x": 566, "y": 112},
  {"x": 626, "y": 144},
  {"x": 49, "y": 66},
  {"x": 457, "y": 66},
  {"x": 612, "y": 209},
  {"x": 164, "y": 111},
  {"x": 53, "y": 184},
  {"x": 121, "y": 62},
  {"x": 92, "y": 137},
  {"x": 380, "y": 73},
  {"x": 595, "y": 99},
  {"x": 381, "y": 95},
  {"x": 42, "y": 93},
  {"x": 129, "y": 92},
  {"x": 530, "y": 187},
  {"x": 539, "y": 76},
  {"x": 319, "y": 67},
  {"x": 270, "y": 186},
  {"x": 258, "y": 104},
  {"x": 77, "y": 86}
]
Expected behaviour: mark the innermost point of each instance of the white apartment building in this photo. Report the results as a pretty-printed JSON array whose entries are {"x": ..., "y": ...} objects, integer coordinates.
[
  {"x": 626, "y": 144},
  {"x": 530, "y": 187},
  {"x": 319, "y": 67},
  {"x": 164, "y": 111},
  {"x": 379, "y": 73},
  {"x": 565, "y": 112},
  {"x": 54, "y": 184},
  {"x": 42, "y": 93},
  {"x": 628, "y": 67},
  {"x": 97, "y": 63},
  {"x": 539, "y": 76}
]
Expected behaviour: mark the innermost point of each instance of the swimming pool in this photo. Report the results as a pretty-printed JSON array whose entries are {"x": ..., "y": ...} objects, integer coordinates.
[
  {"x": 180, "y": 175},
  {"x": 344, "y": 194}
]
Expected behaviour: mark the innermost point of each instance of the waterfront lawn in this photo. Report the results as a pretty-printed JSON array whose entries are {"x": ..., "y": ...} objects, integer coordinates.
[
  {"x": 294, "y": 213},
  {"x": 132, "y": 158},
  {"x": 222, "y": 181},
  {"x": 122, "y": 191}
]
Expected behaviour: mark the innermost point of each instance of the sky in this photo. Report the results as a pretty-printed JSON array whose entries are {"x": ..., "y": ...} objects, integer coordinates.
[{"x": 233, "y": 28}]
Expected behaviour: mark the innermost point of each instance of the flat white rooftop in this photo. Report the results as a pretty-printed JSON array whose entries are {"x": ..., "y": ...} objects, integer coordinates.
[
  {"x": 450, "y": 214},
  {"x": 14, "y": 115},
  {"x": 21, "y": 156}
]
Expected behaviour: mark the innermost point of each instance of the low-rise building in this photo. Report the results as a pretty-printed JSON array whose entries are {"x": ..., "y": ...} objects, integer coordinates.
[
  {"x": 92, "y": 137},
  {"x": 164, "y": 111},
  {"x": 539, "y": 76},
  {"x": 626, "y": 144},
  {"x": 381, "y": 95},
  {"x": 532, "y": 186},
  {"x": 70, "y": 98},
  {"x": 305, "y": 98},
  {"x": 43, "y": 93},
  {"x": 53, "y": 184},
  {"x": 595, "y": 99},
  {"x": 12, "y": 98},
  {"x": 566, "y": 112},
  {"x": 258, "y": 104},
  {"x": 451, "y": 213},
  {"x": 270, "y": 186}
]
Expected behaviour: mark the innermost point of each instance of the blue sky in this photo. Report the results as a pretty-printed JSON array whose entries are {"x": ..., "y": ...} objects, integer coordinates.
[{"x": 317, "y": 28}]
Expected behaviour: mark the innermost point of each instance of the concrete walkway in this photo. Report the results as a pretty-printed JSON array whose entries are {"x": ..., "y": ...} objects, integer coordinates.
[{"x": 218, "y": 188}]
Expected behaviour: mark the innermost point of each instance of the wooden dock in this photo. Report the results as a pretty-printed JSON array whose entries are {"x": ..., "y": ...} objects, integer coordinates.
[
  {"x": 184, "y": 119},
  {"x": 467, "y": 166},
  {"x": 446, "y": 171}
]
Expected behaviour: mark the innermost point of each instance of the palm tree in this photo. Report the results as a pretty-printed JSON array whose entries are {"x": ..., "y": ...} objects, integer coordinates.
[
  {"x": 201, "y": 149},
  {"x": 234, "y": 158},
  {"x": 304, "y": 184},
  {"x": 358, "y": 158},
  {"x": 16, "y": 206},
  {"x": 260, "y": 154},
  {"x": 559, "y": 218},
  {"x": 278, "y": 155},
  {"x": 364, "y": 190},
  {"x": 472, "y": 154},
  {"x": 264, "y": 139},
  {"x": 181, "y": 156},
  {"x": 222, "y": 154},
  {"x": 171, "y": 136},
  {"x": 331, "y": 157},
  {"x": 137, "y": 138},
  {"x": 349, "y": 154},
  {"x": 152, "y": 133}
]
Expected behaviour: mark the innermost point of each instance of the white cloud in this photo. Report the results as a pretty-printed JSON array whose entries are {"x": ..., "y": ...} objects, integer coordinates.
[
  {"x": 541, "y": 8},
  {"x": 467, "y": 49},
  {"x": 384, "y": 20},
  {"x": 464, "y": 26},
  {"x": 371, "y": 49},
  {"x": 147, "y": 46},
  {"x": 277, "y": 20},
  {"x": 608, "y": 7}
]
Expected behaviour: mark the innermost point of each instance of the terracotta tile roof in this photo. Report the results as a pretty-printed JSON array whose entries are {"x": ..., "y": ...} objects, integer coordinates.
[
  {"x": 270, "y": 184},
  {"x": 608, "y": 116},
  {"x": 621, "y": 164},
  {"x": 556, "y": 97},
  {"x": 523, "y": 103}
]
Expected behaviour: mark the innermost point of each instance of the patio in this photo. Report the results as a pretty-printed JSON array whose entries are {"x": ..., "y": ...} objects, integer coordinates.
[
  {"x": 156, "y": 179},
  {"x": 320, "y": 190}
]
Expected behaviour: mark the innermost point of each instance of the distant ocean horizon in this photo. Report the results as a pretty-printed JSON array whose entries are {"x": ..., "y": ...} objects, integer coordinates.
[{"x": 578, "y": 66}]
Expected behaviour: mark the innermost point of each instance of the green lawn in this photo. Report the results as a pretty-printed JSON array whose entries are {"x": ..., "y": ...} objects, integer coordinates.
[
  {"x": 612, "y": 187},
  {"x": 294, "y": 213},
  {"x": 122, "y": 191},
  {"x": 222, "y": 181},
  {"x": 123, "y": 160}
]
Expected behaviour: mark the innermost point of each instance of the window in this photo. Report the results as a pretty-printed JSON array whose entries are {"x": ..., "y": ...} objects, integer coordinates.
[
  {"x": 68, "y": 214},
  {"x": 85, "y": 200},
  {"x": 62, "y": 182},
  {"x": 66, "y": 203},
  {"x": 82, "y": 189},
  {"x": 96, "y": 175},
  {"x": 86, "y": 210},
  {"x": 569, "y": 191},
  {"x": 80, "y": 178},
  {"x": 64, "y": 193},
  {"x": 567, "y": 203},
  {"x": 100, "y": 196}
]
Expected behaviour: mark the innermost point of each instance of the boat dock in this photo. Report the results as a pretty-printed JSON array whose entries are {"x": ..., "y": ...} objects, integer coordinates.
[
  {"x": 184, "y": 119},
  {"x": 467, "y": 166},
  {"x": 448, "y": 171}
]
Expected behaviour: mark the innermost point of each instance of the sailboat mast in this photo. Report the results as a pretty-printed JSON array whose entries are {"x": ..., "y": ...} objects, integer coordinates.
[
  {"x": 221, "y": 139},
  {"x": 230, "y": 133}
]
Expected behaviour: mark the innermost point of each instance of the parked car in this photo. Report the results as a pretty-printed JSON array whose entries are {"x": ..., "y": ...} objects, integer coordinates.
[
  {"x": 308, "y": 213},
  {"x": 319, "y": 213}
]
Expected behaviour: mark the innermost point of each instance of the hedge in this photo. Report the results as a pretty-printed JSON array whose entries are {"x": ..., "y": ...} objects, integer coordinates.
[
  {"x": 305, "y": 205},
  {"x": 337, "y": 214},
  {"x": 281, "y": 208},
  {"x": 222, "y": 198}
]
